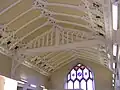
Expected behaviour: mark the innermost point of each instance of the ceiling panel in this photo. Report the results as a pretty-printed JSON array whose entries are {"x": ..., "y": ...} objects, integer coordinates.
[
  {"x": 24, "y": 19},
  {"x": 15, "y": 11},
  {"x": 37, "y": 33},
  {"x": 53, "y": 24},
  {"x": 6, "y": 3},
  {"x": 32, "y": 26}
]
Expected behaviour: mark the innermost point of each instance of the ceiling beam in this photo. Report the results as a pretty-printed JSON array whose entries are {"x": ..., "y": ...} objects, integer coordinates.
[
  {"x": 5, "y": 52},
  {"x": 76, "y": 24},
  {"x": 62, "y": 29},
  {"x": 79, "y": 7},
  {"x": 40, "y": 70},
  {"x": 107, "y": 18},
  {"x": 68, "y": 15},
  {"x": 21, "y": 28},
  {"x": 28, "y": 35},
  {"x": 39, "y": 37},
  {"x": 82, "y": 44},
  {"x": 89, "y": 12},
  {"x": 43, "y": 60},
  {"x": 68, "y": 6}
]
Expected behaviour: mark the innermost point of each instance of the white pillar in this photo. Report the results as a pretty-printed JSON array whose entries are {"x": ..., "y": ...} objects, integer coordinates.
[{"x": 15, "y": 64}]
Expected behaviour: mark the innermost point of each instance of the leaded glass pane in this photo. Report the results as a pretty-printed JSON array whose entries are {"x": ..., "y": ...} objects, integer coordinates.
[
  {"x": 82, "y": 67},
  {"x": 68, "y": 76},
  {"x": 83, "y": 79},
  {"x": 79, "y": 74},
  {"x": 73, "y": 74},
  {"x": 89, "y": 85},
  {"x": 70, "y": 85},
  {"x": 83, "y": 84},
  {"x": 86, "y": 73},
  {"x": 76, "y": 85}
]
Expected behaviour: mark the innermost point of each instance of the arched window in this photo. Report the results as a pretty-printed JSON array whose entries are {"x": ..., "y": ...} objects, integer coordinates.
[{"x": 80, "y": 77}]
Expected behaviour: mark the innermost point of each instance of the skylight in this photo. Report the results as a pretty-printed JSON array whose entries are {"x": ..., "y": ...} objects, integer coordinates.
[{"x": 115, "y": 16}]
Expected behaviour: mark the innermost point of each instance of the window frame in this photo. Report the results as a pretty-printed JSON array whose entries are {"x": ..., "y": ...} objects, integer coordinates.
[{"x": 81, "y": 67}]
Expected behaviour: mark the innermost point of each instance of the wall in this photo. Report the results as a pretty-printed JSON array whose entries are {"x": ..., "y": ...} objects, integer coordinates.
[
  {"x": 31, "y": 76},
  {"x": 102, "y": 76},
  {"x": 22, "y": 71},
  {"x": 5, "y": 65}
]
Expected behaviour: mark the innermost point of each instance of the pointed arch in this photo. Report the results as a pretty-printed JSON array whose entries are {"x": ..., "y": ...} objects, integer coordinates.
[{"x": 80, "y": 77}]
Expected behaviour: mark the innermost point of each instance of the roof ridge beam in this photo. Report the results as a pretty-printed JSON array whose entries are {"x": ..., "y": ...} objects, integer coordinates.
[{"x": 69, "y": 46}]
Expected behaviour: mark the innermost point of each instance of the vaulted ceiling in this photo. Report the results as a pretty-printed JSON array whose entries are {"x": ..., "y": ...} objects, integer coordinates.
[{"x": 48, "y": 34}]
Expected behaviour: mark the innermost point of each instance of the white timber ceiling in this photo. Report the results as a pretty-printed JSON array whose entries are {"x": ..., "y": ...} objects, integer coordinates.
[{"x": 48, "y": 34}]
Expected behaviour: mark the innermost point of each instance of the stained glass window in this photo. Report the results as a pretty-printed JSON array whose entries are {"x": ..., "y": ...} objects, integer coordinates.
[{"x": 80, "y": 77}]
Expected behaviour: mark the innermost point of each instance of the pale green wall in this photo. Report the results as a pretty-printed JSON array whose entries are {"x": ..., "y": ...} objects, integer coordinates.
[
  {"x": 102, "y": 76},
  {"x": 21, "y": 71},
  {"x": 30, "y": 75},
  {"x": 5, "y": 65}
]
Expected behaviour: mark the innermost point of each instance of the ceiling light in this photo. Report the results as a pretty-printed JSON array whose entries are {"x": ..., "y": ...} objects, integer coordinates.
[
  {"x": 113, "y": 81},
  {"x": 42, "y": 87},
  {"x": 113, "y": 85},
  {"x": 115, "y": 16},
  {"x": 114, "y": 49},
  {"x": 20, "y": 82},
  {"x": 45, "y": 89},
  {"x": 113, "y": 75},
  {"x": 32, "y": 85}
]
